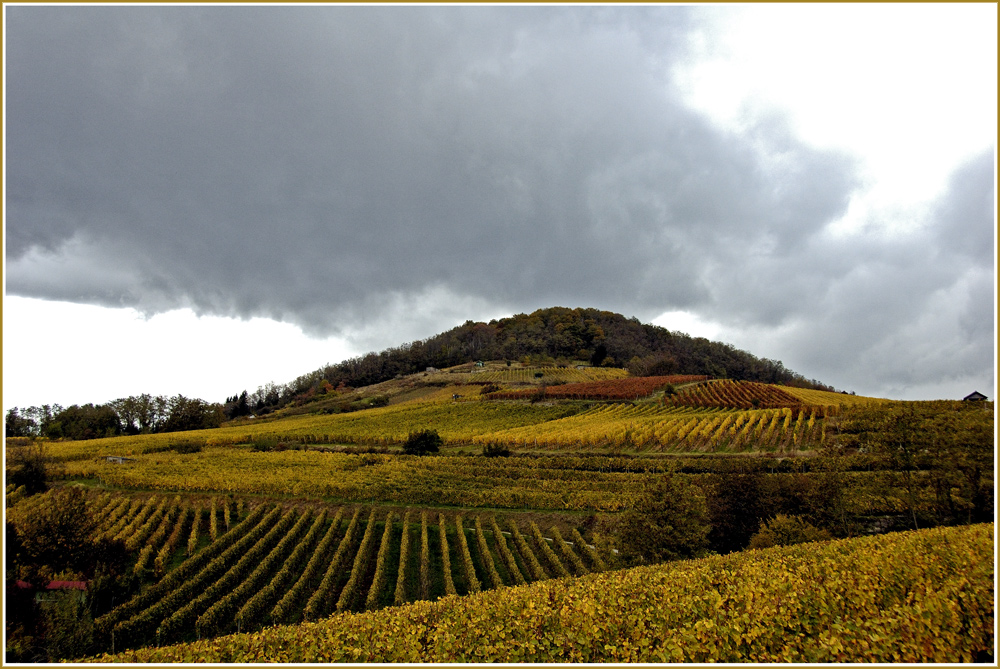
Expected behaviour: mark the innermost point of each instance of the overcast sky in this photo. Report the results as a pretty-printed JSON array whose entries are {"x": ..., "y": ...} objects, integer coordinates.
[{"x": 203, "y": 199}]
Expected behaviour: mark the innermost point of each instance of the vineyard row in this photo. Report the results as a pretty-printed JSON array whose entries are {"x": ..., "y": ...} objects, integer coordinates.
[
  {"x": 919, "y": 596},
  {"x": 278, "y": 565}
]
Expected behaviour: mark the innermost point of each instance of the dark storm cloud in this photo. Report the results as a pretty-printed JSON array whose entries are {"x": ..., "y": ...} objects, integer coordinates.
[
  {"x": 346, "y": 167},
  {"x": 298, "y": 162}
]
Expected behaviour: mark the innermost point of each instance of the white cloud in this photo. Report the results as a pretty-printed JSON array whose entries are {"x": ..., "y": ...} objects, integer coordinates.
[
  {"x": 62, "y": 353},
  {"x": 911, "y": 89},
  {"x": 688, "y": 323}
]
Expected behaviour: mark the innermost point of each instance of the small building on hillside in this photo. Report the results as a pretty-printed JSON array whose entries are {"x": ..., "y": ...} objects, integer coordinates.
[
  {"x": 118, "y": 459},
  {"x": 54, "y": 589},
  {"x": 974, "y": 396}
]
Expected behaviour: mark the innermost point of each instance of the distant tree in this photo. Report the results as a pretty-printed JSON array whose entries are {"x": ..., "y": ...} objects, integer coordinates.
[
  {"x": 192, "y": 414},
  {"x": 38, "y": 419},
  {"x": 85, "y": 422},
  {"x": 423, "y": 443},
  {"x": 18, "y": 425},
  {"x": 269, "y": 396},
  {"x": 238, "y": 406},
  {"x": 129, "y": 411},
  {"x": 141, "y": 414}
]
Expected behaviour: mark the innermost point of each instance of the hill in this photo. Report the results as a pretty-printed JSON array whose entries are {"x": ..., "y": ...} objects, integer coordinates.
[
  {"x": 217, "y": 528},
  {"x": 556, "y": 335}
]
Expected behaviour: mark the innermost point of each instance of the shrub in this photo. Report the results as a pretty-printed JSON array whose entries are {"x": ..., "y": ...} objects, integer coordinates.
[
  {"x": 187, "y": 446},
  {"x": 423, "y": 442},
  {"x": 495, "y": 451},
  {"x": 26, "y": 466},
  {"x": 785, "y": 531},
  {"x": 264, "y": 444}
]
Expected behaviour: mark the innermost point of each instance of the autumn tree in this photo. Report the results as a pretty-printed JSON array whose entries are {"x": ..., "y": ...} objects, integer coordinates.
[
  {"x": 737, "y": 505},
  {"x": 27, "y": 465},
  {"x": 669, "y": 521},
  {"x": 54, "y": 533}
]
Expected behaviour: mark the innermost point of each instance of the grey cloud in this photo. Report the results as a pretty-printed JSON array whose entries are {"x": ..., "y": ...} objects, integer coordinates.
[
  {"x": 347, "y": 168},
  {"x": 265, "y": 161},
  {"x": 885, "y": 314},
  {"x": 964, "y": 217}
]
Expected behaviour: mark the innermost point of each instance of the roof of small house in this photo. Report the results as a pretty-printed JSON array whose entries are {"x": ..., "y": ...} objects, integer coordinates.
[{"x": 974, "y": 395}]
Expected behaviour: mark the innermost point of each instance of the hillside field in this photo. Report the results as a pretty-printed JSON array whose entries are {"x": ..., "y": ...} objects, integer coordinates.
[{"x": 309, "y": 535}]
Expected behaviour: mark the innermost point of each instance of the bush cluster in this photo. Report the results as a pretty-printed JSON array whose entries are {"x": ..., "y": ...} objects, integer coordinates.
[{"x": 423, "y": 442}]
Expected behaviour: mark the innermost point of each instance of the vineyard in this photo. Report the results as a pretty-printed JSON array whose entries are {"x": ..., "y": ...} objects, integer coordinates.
[
  {"x": 614, "y": 389},
  {"x": 736, "y": 395},
  {"x": 683, "y": 423},
  {"x": 924, "y": 596},
  {"x": 649, "y": 428},
  {"x": 592, "y": 484},
  {"x": 457, "y": 422},
  {"x": 458, "y": 481},
  {"x": 239, "y": 568},
  {"x": 826, "y": 398},
  {"x": 317, "y": 538}
]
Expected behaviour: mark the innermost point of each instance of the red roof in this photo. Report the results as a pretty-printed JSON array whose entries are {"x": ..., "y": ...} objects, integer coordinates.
[{"x": 56, "y": 585}]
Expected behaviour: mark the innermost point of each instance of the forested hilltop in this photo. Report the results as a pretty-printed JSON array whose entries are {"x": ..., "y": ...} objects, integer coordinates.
[
  {"x": 561, "y": 335},
  {"x": 555, "y": 336}
]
